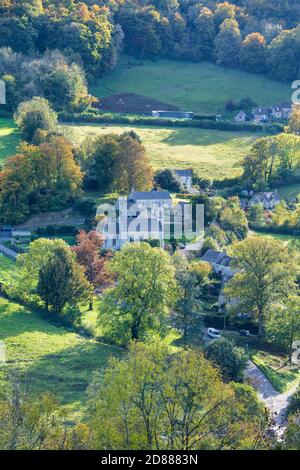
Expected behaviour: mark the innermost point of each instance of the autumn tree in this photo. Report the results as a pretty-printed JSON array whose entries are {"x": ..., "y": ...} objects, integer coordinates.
[
  {"x": 254, "y": 53},
  {"x": 143, "y": 295},
  {"x": 39, "y": 178},
  {"x": 87, "y": 251},
  {"x": 203, "y": 35},
  {"x": 266, "y": 274},
  {"x": 116, "y": 162},
  {"x": 133, "y": 169}
]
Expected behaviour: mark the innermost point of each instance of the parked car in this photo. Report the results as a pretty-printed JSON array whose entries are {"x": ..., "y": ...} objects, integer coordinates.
[
  {"x": 213, "y": 333},
  {"x": 244, "y": 332}
]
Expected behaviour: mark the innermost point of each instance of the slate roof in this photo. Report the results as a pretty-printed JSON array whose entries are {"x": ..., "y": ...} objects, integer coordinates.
[
  {"x": 216, "y": 257},
  {"x": 184, "y": 173},
  {"x": 261, "y": 111}
]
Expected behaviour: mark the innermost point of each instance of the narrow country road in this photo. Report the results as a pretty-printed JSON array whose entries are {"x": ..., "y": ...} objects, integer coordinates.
[
  {"x": 7, "y": 251},
  {"x": 276, "y": 402}
]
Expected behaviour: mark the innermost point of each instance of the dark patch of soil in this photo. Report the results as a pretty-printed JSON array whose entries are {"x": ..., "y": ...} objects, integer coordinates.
[{"x": 133, "y": 104}]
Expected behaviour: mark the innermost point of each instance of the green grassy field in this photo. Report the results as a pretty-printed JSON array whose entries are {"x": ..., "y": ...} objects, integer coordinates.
[
  {"x": 9, "y": 138},
  {"x": 51, "y": 358},
  {"x": 200, "y": 87},
  {"x": 290, "y": 192},
  {"x": 7, "y": 267},
  {"x": 282, "y": 376},
  {"x": 214, "y": 154},
  {"x": 286, "y": 239}
]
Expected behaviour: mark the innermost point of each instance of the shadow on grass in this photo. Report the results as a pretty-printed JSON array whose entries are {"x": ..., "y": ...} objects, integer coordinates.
[
  {"x": 206, "y": 138},
  {"x": 68, "y": 374}
]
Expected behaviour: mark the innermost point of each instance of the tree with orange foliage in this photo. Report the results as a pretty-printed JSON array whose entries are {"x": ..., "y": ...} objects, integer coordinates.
[
  {"x": 39, "y": 178},
  {"x": 88, "y": 255}
]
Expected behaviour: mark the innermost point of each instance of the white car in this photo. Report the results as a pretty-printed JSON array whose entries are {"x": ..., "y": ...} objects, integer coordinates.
[{"x": 213, "y": 333}]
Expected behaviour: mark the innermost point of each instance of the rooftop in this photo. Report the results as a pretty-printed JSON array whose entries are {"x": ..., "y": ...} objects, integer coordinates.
[
  {"x": 217, "y": 257},
  {"x": 184, "y": 172}
]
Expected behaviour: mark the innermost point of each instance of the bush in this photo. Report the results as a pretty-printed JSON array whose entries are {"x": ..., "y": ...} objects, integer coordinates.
[
  {"x": 280, "y": 230},
  {"x": 231, "y": 359},
  {"x": 168, "y": 180},
  {"x": 52, "y": 230},
  {"x": 35, "y": 114},
  {"x": 86, "y": 207}
]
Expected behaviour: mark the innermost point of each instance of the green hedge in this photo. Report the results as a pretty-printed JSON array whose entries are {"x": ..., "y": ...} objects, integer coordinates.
[
  {"x": 89, "y": 117},
  {"x": 272, "y": 229}
]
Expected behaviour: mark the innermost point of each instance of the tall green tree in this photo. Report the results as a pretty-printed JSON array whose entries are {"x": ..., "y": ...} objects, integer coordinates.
[
  {"x": 62, "y": 281},
  {"x": 188, "y": 304},
  {"x": 228, "y": 44},
  {"x": 154, "y": 400},
  {"x": 254, "y": 53},
  {"x": 283, "y": 327},
  {"x": 143, "y": 295},
  {"x": 266, "y": 275}
]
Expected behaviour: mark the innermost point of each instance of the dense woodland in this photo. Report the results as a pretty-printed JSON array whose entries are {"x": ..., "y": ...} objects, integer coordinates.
[{"x": 49, "y": 48}]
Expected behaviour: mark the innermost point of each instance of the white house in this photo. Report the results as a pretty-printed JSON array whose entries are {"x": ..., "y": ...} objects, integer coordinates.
[
  {"x": 269, "y": 200},
  {"x": 281, "y": 111},
  {"x": 185, "y": 177},
  {"x": 2, "y": 92},
  {"x": 261, "y": 115},
  {"x": 240, "y": 117},
  {"x": 139, "y": 217}
]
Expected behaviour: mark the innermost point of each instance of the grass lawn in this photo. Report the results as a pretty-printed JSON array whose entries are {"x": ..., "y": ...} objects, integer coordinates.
[
  {"x": 278, "y": 236},
  {"x": 283, "y": 377},
  {"x": 212, "y": 153},
  {"x": 290, "y": 192},
  {"x": 200, "y": 87},
  {"x": 51, "y": 358},
  {"x": 101, "y": 198},
  {"x": 9, "y": 138},
  {"x": 7, "y": 267}
]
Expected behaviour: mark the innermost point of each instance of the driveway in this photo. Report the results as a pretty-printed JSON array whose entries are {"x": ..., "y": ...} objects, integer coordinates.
[
  {"x": 7, "y": 251},
  {"x": 276, "y": 402}
]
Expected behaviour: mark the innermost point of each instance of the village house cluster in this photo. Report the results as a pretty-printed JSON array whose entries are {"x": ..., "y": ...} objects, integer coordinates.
[{"x": 266, "y": 114}]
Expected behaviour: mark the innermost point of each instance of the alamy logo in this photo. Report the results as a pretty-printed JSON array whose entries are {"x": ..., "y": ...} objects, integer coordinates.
[
  {"x": 296, "y": 93},
  {"x": 2, "y": 92},
  {"x": 2, "y": 352},
  {"x": 127, "y": 221},
  {"x": 296, "y": 353}
]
